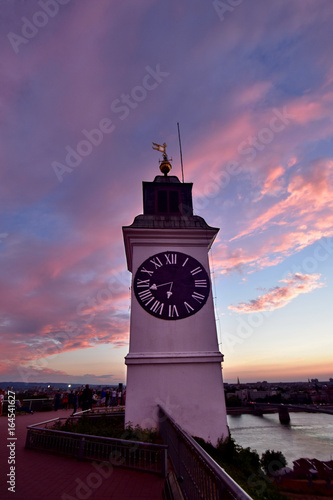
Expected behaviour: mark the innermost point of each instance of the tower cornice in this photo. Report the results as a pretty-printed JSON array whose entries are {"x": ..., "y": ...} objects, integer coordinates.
[{"x": 167, "y": 231}]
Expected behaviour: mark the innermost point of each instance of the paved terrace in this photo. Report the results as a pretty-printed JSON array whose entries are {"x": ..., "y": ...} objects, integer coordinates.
[{"x": 45, "y": 476}]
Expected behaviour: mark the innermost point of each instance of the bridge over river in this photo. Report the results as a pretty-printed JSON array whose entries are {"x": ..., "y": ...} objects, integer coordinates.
[{"x": 282, "y": 409}]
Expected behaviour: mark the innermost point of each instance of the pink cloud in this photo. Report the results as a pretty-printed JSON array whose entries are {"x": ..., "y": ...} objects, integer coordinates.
[
  {"x": 267, "y": 250},
  {"x": 253, "y": 93},
  {"x": 308, "y": 120},
  {"x": 292, "y": 161},
  {"x": 52, "y": 301},
  {"x": 280, "y": 296},
  {"x": 31, "y": 351},
  {"x": 274, "y": 183},
  {"x": 311, "y": 108},
  {"x": 309, "y": 194}
]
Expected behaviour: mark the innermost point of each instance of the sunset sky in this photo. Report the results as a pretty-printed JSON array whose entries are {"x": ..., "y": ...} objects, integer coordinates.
[{"x": 86, "y": 87}]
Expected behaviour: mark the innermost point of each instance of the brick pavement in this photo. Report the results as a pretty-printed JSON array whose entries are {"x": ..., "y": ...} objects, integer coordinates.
[{"x": 42, "y": 475}]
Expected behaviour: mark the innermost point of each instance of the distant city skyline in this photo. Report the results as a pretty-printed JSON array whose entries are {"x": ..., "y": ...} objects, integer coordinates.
[
  {"x": 86, "y": 89},
  {"x": 229, "y": 385}
]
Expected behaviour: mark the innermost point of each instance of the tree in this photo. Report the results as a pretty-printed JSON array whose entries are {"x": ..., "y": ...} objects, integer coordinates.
[
  {"x": 272, "y": 461},
  {"x": 233, "y": 401}
]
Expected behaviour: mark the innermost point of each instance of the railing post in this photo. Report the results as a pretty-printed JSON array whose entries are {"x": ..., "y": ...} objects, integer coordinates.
[
  {"x": 81, "y": 449},
  {"x": 164, "y": 463},
  {"x": 27, "y": 440}
]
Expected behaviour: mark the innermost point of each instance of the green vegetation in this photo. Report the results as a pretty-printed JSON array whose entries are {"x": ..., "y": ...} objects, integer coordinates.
[
  {"x": 108, "y": 426},
  {"x": 272, "y": 461},
  {"x": 245, "y": 467},
  {"x": 233, "y": 401}
]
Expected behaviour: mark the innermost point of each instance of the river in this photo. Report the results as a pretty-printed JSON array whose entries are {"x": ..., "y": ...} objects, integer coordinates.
[{"x": 309, "y": 435}]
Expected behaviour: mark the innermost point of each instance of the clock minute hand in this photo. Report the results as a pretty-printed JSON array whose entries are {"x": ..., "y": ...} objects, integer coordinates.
[
  {"x": 169, "y": 292},
  {"x": 154, "y": 286}
]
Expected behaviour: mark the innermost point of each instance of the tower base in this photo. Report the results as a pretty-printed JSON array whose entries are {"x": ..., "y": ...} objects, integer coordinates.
[{"x": 188, "y": 387}]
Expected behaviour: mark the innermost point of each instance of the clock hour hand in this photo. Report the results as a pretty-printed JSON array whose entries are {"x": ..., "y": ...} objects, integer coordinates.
[{"x": 169, "y": 292}]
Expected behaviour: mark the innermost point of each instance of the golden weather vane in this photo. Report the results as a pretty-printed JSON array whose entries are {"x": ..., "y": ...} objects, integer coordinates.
[
  {"x": 160, "y": 148},
  {"x": 165, "y": 165}
]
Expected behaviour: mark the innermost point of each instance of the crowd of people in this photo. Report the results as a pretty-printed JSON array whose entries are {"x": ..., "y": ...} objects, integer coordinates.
[{"x": 88, "y": 398}]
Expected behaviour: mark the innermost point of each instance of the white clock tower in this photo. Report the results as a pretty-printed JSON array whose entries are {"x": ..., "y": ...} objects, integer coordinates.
[{"x": 173, "y": 360}]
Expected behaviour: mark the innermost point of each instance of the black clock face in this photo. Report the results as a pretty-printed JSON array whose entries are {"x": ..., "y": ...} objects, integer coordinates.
[{"x": 171, "y": 285}]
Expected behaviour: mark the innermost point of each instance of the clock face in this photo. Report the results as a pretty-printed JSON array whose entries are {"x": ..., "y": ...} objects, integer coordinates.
[{"x": 171, "y": 285}]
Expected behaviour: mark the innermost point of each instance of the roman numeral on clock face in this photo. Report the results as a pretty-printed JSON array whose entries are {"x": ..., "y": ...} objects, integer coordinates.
[
  {"x": 188, "y": 308},
  {"x": 156, "y": 261},
  {"x": 157, "y": 307},
  {"x": 200, "y": 283},
  {"x": 146, "y": 296},
  {"x": 144, "y": 270},
  {"x": 196, "y": 270},
  {"x": 198, "y": 297},
  {"x": 142, "y": 283},
  {"x": 173, "y": 312},
  {"x": 171, "y": 258}
]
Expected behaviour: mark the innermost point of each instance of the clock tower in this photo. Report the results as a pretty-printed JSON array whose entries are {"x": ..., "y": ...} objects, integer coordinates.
[{"x": 173, "y": 360}]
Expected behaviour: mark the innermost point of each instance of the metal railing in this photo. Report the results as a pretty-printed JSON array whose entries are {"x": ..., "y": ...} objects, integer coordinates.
[
  {"x": 199, "y": 476},
  {"x": 132, "y": 454},
  {"x": 35, "y": 404},
  {"x": 102, "y": 410}
]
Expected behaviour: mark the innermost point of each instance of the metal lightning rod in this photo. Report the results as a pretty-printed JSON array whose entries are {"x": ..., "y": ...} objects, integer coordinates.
[{"x": 181, "y": 154}]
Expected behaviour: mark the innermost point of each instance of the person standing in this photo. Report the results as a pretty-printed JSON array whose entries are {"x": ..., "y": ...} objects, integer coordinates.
[
  {"x": 57, "y": 398},
  {"x": 119, "y": 398},
  {"x": 75, "y": 401},
  {"x": 65, "y": 401},
  {"x": 87, "y": 398},
  {"x": 71, "y": 399},
  {"x": 113, "y": 397}
]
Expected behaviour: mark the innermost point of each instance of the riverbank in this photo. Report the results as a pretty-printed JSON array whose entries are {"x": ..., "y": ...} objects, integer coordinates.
[{"x": 299, "y": 489}]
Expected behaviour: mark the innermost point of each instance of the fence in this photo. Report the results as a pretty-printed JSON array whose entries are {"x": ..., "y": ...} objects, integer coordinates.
[
  {"x": 198, "y": 474},
  {"x": 133, "y": 454},
  {"x": 35, "y": 404},
  {"x": 98, "y": 410}
]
